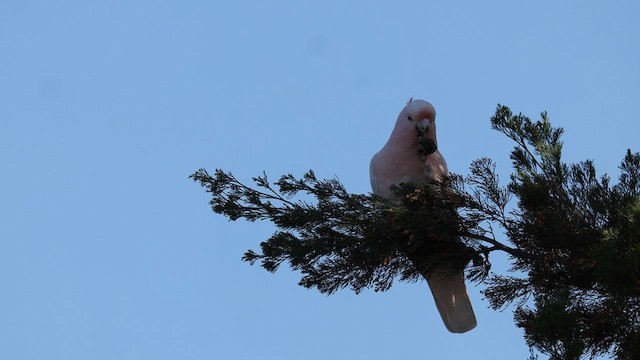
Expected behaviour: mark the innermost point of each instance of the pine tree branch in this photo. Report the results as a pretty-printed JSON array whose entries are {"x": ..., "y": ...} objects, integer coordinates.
[{"x": 516, "y": 253}]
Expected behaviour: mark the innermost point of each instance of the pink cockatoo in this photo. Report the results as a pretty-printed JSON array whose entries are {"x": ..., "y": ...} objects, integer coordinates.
[{"x": 411, "y": 155}]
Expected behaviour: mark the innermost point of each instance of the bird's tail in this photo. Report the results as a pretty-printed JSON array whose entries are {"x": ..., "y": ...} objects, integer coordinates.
[{"x": 452, "y": 301}]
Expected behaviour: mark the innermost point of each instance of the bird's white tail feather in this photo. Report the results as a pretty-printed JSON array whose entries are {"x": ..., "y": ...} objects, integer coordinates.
[{"x": 453, "y": 303}]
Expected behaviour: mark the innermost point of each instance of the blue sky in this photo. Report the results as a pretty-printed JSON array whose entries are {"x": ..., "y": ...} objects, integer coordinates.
[{"x": 108, "y": 251}]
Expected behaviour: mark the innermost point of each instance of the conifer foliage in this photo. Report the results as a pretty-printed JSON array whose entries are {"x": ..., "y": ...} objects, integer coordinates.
[{"x": 573, "y": 237}]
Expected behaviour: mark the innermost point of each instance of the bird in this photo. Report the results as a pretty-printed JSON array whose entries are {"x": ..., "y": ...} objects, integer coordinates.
[{"x": 411, "y": 155}]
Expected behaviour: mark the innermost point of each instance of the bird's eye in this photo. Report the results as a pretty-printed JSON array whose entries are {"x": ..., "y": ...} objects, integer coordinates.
[{"x": 409, "y": 118}]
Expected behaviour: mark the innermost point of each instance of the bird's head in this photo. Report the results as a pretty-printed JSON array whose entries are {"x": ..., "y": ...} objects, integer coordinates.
[{"x": 416, "y": 128}]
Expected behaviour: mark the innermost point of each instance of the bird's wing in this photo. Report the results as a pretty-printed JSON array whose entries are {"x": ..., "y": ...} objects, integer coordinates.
[{"x": 373, "y": 176}]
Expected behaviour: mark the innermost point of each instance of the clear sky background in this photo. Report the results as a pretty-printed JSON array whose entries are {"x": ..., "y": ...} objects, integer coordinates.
[{"x": 108, "y": 251}]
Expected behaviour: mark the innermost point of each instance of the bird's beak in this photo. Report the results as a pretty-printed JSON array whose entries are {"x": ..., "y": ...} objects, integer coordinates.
[
  {"x": 423, "y": 126},
  {"x": 426, "y": 145}
]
